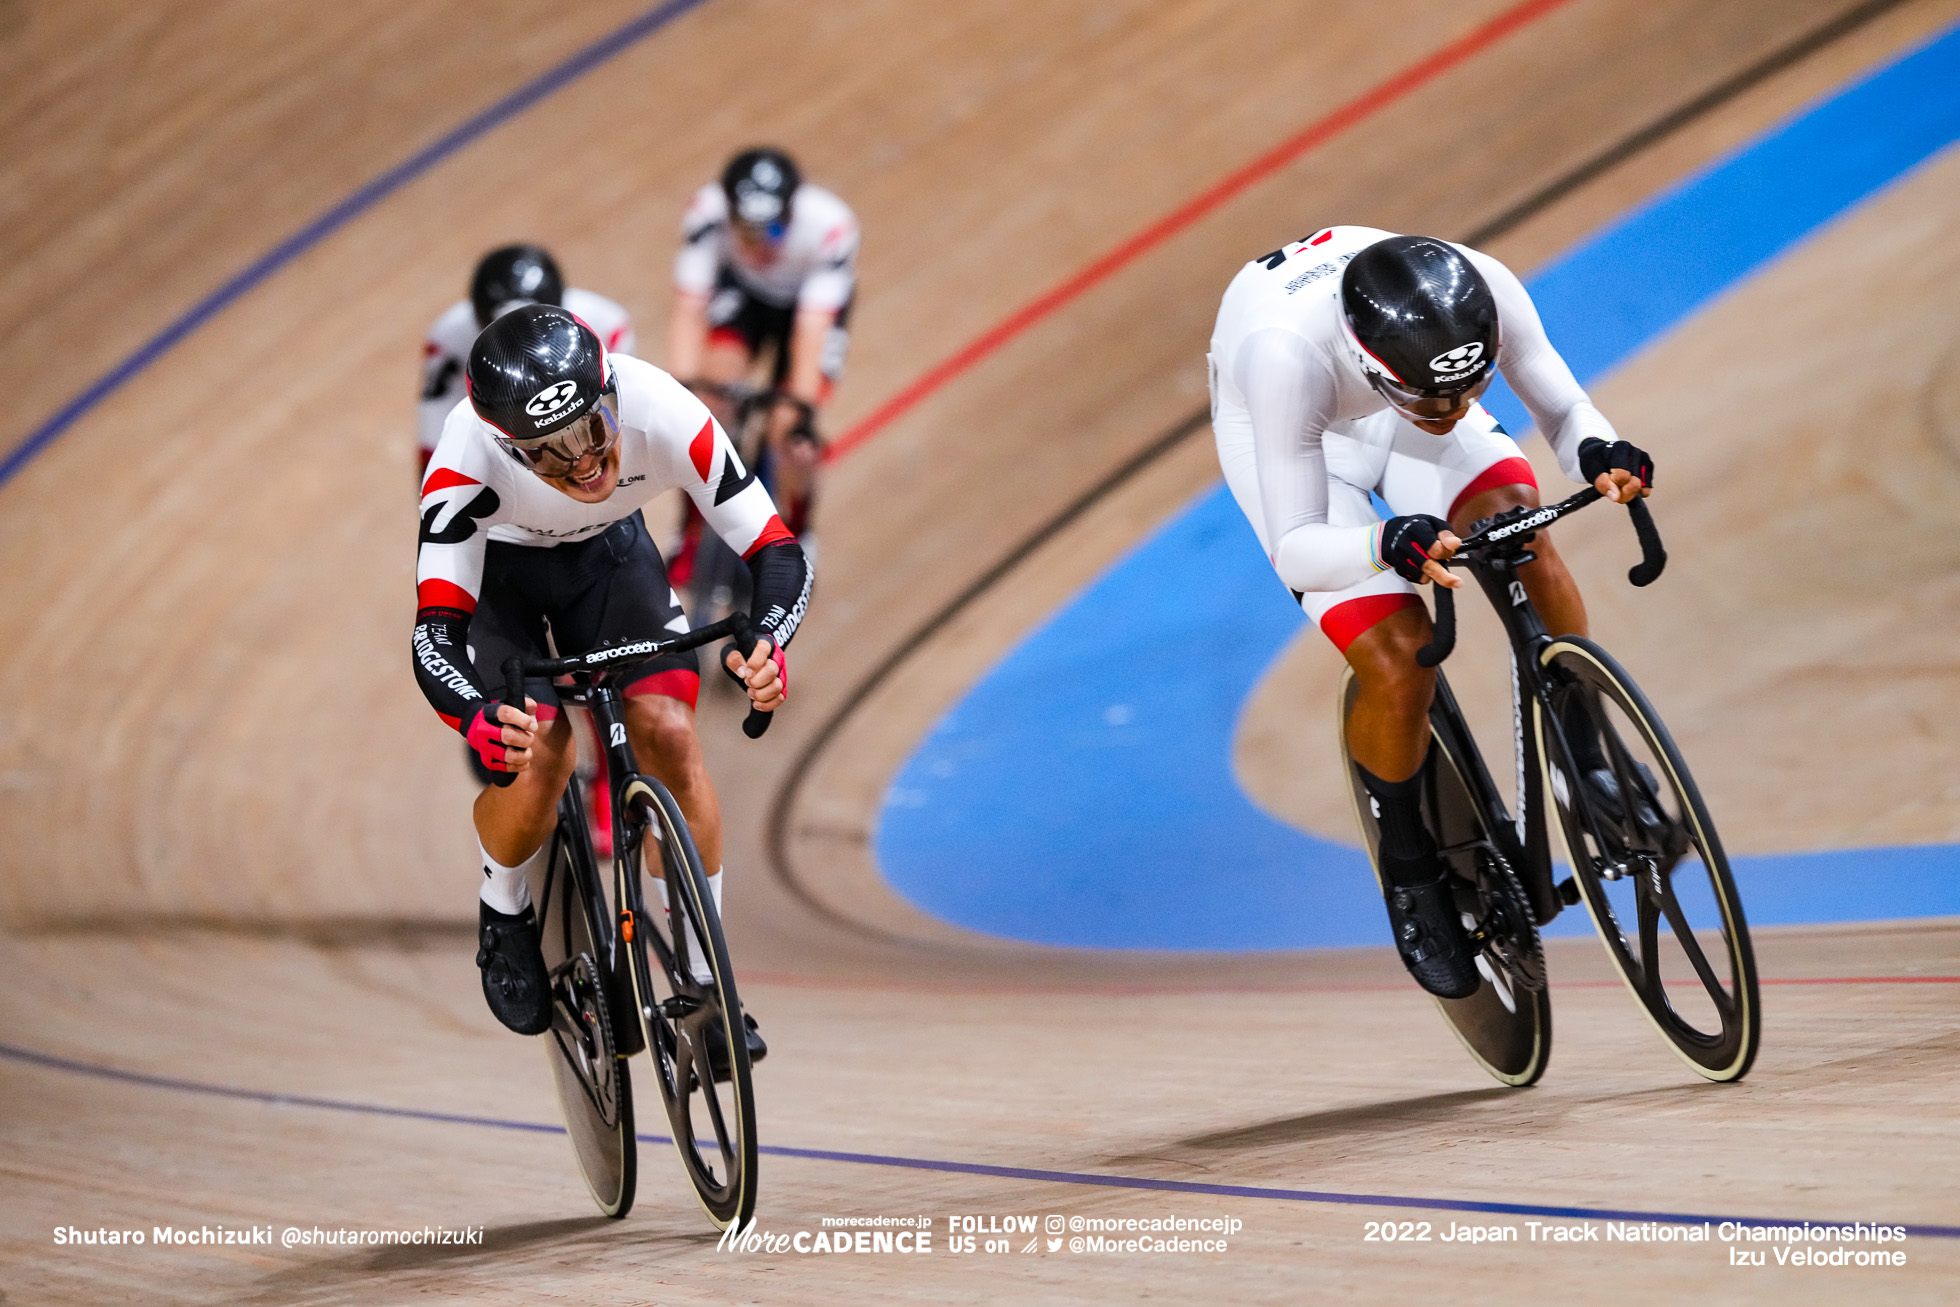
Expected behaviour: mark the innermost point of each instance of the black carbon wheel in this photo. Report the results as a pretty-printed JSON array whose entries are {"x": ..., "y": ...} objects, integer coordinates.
[
  {"x": 1507, "y": 1024},
  {"x": 1650, "y": 865},
  {"x": 595, "y": 1090},
  {"x": 692, "y": 1025}
]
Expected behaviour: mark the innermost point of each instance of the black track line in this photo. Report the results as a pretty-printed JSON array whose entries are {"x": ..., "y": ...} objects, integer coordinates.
[{"x": 1592, "y": 168}]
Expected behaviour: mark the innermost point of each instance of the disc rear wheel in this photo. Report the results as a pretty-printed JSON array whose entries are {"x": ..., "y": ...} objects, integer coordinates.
[
  {"x": 594, "y": 1088},
  {"x": 1506, "y": 1025}
]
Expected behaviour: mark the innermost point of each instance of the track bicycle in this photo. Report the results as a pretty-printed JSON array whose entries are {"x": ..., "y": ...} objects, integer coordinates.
[
  {"x": 623, "y": 977},
  {"x": 1645, "y": 856}
]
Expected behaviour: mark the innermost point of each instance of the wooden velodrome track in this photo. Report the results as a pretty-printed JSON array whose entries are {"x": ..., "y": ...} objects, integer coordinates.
[{"x": 236, "y": 845}]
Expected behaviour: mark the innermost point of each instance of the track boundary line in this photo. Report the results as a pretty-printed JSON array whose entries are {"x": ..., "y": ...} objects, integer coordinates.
[
  {"x": 50, "y": 1061},
  {"x": 371, "y": 193},
  {"x": 776, "y": 838}
]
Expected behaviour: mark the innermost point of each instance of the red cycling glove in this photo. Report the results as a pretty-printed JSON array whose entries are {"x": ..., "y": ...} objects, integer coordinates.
[{"x": 486, "y": 735}]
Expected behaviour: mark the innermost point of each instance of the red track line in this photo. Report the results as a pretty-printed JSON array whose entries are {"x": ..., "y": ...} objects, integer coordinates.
[{"x": 1364, "y": 106}]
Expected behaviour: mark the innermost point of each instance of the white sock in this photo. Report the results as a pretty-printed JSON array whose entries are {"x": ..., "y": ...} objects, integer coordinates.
[
  {"x": 508, "y": 889},
  {"x": 697, "y": 956}
]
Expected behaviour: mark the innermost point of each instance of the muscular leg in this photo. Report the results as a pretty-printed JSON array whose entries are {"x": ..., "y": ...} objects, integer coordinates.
[
  {"x": 1388, "y": 735},
  {"x": 661, "y": 730},
  {"x": 1552, "y": 589},
  {"x": 513, "y": 821},
  {"x": 1388, "y": 727}
]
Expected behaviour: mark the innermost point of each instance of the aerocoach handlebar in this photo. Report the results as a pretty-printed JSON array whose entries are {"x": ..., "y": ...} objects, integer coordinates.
[
  {"x": 1516, "y": 525},
  {"x": 735, "y": 626}
]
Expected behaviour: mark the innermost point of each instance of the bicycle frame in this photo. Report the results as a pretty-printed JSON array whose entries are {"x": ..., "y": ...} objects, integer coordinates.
[
  {"x": 628, "y": 906},
  {"x": 604, "y": 701},
  {"x": 1494, "y": 552},
  {"x": 1523, "y": 836}
]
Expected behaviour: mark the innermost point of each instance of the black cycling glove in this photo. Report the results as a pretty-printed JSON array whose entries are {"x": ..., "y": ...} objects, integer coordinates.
[
  {"x": 1406, "y": 542},
  {"x": 1597, "y": 458}
]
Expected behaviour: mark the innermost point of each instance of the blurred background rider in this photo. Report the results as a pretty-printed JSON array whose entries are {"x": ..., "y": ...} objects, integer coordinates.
[
  {"x": 766, "y": 273},
  {"x": 504, "y": 278}
]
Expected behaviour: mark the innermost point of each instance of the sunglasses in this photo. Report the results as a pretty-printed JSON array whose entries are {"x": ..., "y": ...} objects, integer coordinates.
[
  {"x": 557, "y": 454},
  {"x": 1431, "y": 405}
]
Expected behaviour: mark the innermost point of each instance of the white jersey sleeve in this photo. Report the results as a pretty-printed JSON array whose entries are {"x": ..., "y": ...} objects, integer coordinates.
[
  {"x": 1553, "y": 396},
  {"x": 688, "y": 449},
  {"x": 1290, "y": 394},
  {"x": 701, "y": 235},
  {"x": 444, "y": 354},
  {"x": 833, "y": 242}
]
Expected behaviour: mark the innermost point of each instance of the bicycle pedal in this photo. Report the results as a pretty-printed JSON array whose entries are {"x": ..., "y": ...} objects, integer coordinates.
[
  {"x": 1568, "y": 892},
  {"x": 680, "y": 1005}
]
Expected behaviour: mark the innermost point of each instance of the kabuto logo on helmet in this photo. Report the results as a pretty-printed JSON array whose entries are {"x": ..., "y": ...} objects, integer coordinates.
[
  {"x": 1454, "y": 362},
  {"x": 552, "y": 400}
]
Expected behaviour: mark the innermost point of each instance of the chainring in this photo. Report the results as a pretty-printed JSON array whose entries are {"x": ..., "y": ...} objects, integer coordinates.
[{"x": 1505, "y": 925}]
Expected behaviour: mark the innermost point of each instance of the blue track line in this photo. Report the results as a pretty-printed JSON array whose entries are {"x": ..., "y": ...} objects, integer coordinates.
[
  {"x": 584, "y": 61},
  {"x": 76, "y": 1067}
]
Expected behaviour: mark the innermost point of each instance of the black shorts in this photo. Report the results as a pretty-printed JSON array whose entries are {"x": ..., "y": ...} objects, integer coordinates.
[
  {"x": 735, "y": 314},
  {"x": 609, "y": 588}
]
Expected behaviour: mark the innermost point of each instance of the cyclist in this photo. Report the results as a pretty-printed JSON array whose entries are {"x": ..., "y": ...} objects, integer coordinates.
[
  {"x": 531, "y": 525},
  {"x": 767, "y": 261},
  {"x": 1347, "y": 364},
  {"x": 504, "y": 278}
]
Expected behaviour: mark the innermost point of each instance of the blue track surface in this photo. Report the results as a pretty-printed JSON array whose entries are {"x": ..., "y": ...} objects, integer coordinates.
[{"x": 1047, "y": 806}]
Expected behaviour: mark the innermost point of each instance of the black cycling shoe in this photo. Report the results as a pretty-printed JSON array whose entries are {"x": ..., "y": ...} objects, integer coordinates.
[
  {"x": 1429, "y": 935},
  {"x": 515, "y": 981},
  {"x": 718, "y": 1051}
]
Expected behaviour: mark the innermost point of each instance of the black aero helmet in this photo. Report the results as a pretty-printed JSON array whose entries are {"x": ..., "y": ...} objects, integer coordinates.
[
  {"x": 760, "y": 184},
  {"x": 514, "y": 274},
  {"x": 542, "y": 379},
  {"x": 1422, "y": 318}
]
